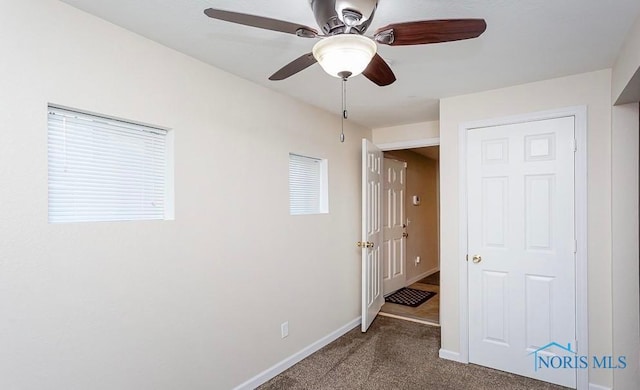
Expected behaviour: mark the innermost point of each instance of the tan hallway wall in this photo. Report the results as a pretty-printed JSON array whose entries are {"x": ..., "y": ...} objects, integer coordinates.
[{"x": 422, "y": 176}]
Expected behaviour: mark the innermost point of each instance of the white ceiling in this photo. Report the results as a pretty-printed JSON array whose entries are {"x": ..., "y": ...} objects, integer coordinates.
[{"x": 525, "y": 41}]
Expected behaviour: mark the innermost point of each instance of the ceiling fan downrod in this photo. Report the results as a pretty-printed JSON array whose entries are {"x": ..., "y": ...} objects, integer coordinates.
[{"x": 345, "y": 114}]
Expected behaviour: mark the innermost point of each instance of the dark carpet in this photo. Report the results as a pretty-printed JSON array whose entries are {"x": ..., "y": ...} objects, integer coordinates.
[
  {"x": 431, "y": 279},
  {"x": 393, "y": 354},
  {"x": 409, "y": 297}
]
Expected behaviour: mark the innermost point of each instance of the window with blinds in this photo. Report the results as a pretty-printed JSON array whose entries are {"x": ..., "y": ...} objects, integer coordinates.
[
  {"x": 102, "y": 169},
  {"x": 307, "y": 185}
]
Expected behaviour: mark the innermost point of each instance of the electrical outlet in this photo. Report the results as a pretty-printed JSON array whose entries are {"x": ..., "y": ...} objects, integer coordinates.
[
  {"x": 417, "y": 260},
  {"x": 284, "y": 329}
]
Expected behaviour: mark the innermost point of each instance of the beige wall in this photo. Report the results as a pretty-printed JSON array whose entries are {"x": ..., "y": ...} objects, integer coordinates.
[
  {"x": 590, "y": 89},
  {"x": 192, "y": 303},
  {"x": 625, "y": 81},
  {"x": 625, "y": 127},
  {"x": 422, "y": 180},
  {"x": 626, "y": 299},
  {"x": 410, "y": 132}
]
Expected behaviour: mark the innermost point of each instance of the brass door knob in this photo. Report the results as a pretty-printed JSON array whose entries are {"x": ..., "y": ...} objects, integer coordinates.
[{"x": 477, "y": 258}]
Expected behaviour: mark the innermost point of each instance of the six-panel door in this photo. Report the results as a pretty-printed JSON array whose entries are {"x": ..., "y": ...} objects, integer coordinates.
[{"x": 520, "y": 186}]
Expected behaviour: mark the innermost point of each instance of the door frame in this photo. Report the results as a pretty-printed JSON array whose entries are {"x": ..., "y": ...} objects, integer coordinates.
[
  {"x": 409, "y": 144},
  {"x": 412, "y": 144},
  {"x": 582, "y": 331}
]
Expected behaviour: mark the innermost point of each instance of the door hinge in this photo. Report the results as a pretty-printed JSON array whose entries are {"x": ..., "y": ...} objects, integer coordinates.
[
  {"x": 574, "y": 145},
  {"x": 575, "y": 246}
]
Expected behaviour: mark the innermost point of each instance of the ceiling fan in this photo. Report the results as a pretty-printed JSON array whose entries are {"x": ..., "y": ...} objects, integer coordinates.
[{"x": 344, "y": 50}]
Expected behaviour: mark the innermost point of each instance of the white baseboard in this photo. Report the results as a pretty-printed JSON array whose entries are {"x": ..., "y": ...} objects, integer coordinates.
[
  {"x": 296, "y": 357},
  {"x": 593, "y": 386},
  {"x": 422, "y": 276},
  {"x": 450, "y": 355}
]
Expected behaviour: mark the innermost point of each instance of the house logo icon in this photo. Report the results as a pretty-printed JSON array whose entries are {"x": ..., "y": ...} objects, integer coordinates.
[{"x": 567, "y": 358}]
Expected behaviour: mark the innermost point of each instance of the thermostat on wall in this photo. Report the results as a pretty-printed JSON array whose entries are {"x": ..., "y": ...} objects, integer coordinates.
[{"x": 416, "y": 200}]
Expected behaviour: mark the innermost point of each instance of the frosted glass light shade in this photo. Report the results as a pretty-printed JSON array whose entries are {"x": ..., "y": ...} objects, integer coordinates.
[{"x": 345, "y": 53}]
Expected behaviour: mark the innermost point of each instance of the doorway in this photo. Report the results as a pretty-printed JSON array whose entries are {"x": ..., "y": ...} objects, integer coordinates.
[{"x": 410, "y": 256}]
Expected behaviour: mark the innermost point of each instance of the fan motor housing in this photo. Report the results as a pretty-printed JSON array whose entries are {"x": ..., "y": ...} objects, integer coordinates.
[{"x": 334, "y": 16}]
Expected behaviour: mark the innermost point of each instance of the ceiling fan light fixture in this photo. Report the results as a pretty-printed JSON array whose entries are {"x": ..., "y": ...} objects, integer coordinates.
[{"x": 345, "y": 53}]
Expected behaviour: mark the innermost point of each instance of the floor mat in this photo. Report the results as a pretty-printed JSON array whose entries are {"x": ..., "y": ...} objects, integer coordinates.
[{"x": 409, "y": 297}]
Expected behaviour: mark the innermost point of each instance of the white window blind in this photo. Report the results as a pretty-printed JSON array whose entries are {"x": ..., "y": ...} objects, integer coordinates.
[
  {"x": 104, "y": 170},
  {"x": 307, "y": 185}
]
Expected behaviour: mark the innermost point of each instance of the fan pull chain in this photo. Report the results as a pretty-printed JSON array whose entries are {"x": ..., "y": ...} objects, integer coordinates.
[{"x": 345, "y": 114}]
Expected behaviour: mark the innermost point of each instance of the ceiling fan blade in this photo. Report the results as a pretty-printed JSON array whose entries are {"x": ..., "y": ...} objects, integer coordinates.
[
  {"x": 430, "y": 31},
  {"x": 262, "y": 22},
  {"x": 379, "y": 72},
  {"x": 299, "y": 64}
]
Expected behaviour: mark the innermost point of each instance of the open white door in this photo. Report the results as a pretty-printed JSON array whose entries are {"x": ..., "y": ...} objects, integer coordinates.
[
  {"x": 372, "y": 298},
  {"x": 394, "y": 276}
]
